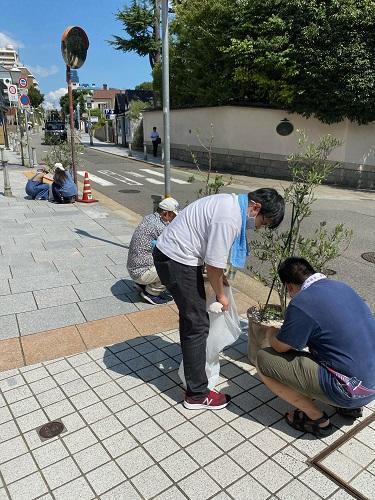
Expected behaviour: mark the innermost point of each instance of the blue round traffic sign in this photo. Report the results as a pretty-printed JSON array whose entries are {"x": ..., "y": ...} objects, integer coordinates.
[
  {"x": 22, "y": 82},
  {"x": 24, "y": 100}
]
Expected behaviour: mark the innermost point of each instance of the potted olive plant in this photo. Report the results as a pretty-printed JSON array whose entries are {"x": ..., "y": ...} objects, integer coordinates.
[{"x": 309, "y": 168}]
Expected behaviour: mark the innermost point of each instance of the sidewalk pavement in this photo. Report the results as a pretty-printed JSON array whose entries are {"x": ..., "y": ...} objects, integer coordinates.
[{"x": 80, "y": 347}]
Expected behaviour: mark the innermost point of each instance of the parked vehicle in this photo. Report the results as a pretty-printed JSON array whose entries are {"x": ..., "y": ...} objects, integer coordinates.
[{"x": 54, "y": 132}]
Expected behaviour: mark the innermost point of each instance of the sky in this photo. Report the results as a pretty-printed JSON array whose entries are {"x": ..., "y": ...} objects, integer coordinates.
[{"x": 36, "y": 27}]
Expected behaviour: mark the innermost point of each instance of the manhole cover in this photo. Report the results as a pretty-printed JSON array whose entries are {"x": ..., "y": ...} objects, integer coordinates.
[
  {"x": 369, "y": 256},
  {"x": 50, "y": 430}
]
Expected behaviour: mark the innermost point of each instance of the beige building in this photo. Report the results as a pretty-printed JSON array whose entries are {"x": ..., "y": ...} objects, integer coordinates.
[{"x": 104, "y": 98}]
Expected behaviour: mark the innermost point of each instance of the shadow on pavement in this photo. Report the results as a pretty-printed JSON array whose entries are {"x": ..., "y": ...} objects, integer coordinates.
[
  {"x": 154, "y": 360},
  {"x": 81, "y": 232}
]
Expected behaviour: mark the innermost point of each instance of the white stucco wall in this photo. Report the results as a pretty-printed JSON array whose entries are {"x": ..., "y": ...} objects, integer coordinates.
[{"x": 254, "y": 129}]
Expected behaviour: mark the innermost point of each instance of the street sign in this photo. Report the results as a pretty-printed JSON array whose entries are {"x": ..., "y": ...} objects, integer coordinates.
[
  {"x": 88, "y": 105},
  {"x": 22, "y": 82},
  {"x": 24, "y": 100},
  {"x": 109, "y": 113},
  {"x": 13, "y": 93}
]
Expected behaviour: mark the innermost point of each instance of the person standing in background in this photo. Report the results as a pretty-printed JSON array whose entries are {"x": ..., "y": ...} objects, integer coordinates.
[{"x": 155, "y": 138}]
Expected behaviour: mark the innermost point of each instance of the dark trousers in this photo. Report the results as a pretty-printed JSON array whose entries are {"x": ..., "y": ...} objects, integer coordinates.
[
  {"x": 58, "y": 197},
  {"x": 155, "y": 145},
  {"x": 186, "y": 285}
]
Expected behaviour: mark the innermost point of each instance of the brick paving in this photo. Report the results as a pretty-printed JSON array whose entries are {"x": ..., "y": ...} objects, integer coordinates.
[
  {"x": 128, "y": 435},
  {"x": 110, "y": 375}
]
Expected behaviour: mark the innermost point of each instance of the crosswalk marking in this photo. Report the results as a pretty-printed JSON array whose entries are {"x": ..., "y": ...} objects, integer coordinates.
[
  {"x": 159, "y": 174},
  {"x": 149, "y": 171},
  {"x": 135, "y": 174},
  {"x": 153, "y": 181},
  {"x": 97, "y": 180},
  {"x": 178, "y": 181},
  {"x": 128, "y": 180},
  {"x": 121, "y": 178}
]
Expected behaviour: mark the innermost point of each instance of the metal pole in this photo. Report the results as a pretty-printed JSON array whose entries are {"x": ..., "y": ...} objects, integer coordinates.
[
  {"x": 19, "y": 126},
  {"x": 5, "y": 129},
  {"x": 29, "y": 152},
  {"x": 90, "y": 128},
  {"x": 166, "y": 116},
  {"x": 106, "y": 130},
  {"x": 35, "y": 161},
  {"x": 33, "y": 117},
  {"x": 7, "y": 188},
  {"x": 145, "y": 151},
  {"x": 71, "y": 122},
  {"x": 78, "y": 110}
]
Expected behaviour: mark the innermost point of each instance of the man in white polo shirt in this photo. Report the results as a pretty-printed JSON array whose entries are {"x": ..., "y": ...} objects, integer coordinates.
[{"x": 204, "y": 233}]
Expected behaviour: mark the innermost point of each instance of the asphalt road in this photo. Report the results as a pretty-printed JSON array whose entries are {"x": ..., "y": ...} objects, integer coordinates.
[{"x": 132, "y": 183}]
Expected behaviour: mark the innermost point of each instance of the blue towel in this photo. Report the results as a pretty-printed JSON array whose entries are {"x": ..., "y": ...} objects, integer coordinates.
[{"x": 240, "y": 249}]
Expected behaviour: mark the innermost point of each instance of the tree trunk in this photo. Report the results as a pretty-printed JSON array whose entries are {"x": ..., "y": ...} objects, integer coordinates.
[{"x": 156, "y": 30}]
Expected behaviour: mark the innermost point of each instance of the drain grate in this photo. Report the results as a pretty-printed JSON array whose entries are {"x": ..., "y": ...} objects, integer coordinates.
[
  {"x": 317, "y": 461},
  {"x": 369, "y": 256},
  {"x": 51, "y": 429}
]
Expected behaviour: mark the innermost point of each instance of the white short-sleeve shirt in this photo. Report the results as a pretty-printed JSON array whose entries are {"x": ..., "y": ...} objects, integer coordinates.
[{"x": 203, "y": 232}]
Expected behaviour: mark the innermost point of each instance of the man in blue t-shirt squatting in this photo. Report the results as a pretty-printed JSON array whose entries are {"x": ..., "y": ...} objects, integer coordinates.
[{"x": 338, "y": 328}]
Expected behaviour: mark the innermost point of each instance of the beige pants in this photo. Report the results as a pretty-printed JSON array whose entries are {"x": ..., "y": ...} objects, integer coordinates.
[{"x": 151, "y": 279}]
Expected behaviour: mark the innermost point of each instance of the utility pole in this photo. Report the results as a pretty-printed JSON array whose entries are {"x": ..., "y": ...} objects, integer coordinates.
[{"x": 166, "y": 114}]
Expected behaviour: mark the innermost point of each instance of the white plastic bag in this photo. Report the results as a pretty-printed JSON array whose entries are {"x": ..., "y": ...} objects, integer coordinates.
[{"x": 224, "y": 330}]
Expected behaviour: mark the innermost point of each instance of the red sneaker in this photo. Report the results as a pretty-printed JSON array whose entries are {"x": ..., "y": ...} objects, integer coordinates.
[{"x": 213, "y": 401}]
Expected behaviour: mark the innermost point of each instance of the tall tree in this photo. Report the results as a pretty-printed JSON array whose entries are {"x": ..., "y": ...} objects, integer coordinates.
[
  {"x": 141, "y": 23},
  {"x": 201, "y": 72},
  {"x": 35, "y": 96},
  {"x": 78, "y": 98},
  {"x": 313, "y": 57},
  {"x": 144, "y": 86}
]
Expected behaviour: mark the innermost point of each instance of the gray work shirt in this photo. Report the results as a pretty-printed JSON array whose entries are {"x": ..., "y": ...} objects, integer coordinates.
[{"x": 140, "y": 257}]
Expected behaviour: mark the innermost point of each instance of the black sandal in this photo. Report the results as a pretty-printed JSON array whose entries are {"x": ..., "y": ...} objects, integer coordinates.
[
  {"x": 352, "y": 413},
  {"x": 303, "y": 423}
]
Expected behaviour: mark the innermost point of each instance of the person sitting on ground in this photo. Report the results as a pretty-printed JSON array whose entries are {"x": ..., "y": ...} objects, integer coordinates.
[
  {"x": 63, "y": 188},
  {"x": 140, "y": 262},
  {"x": 35, "y": 187},
  {"x": 337, "y": 326}
]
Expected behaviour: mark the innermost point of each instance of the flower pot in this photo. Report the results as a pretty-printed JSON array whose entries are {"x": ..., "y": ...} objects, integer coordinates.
[{"x": 257, "y": 333}]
